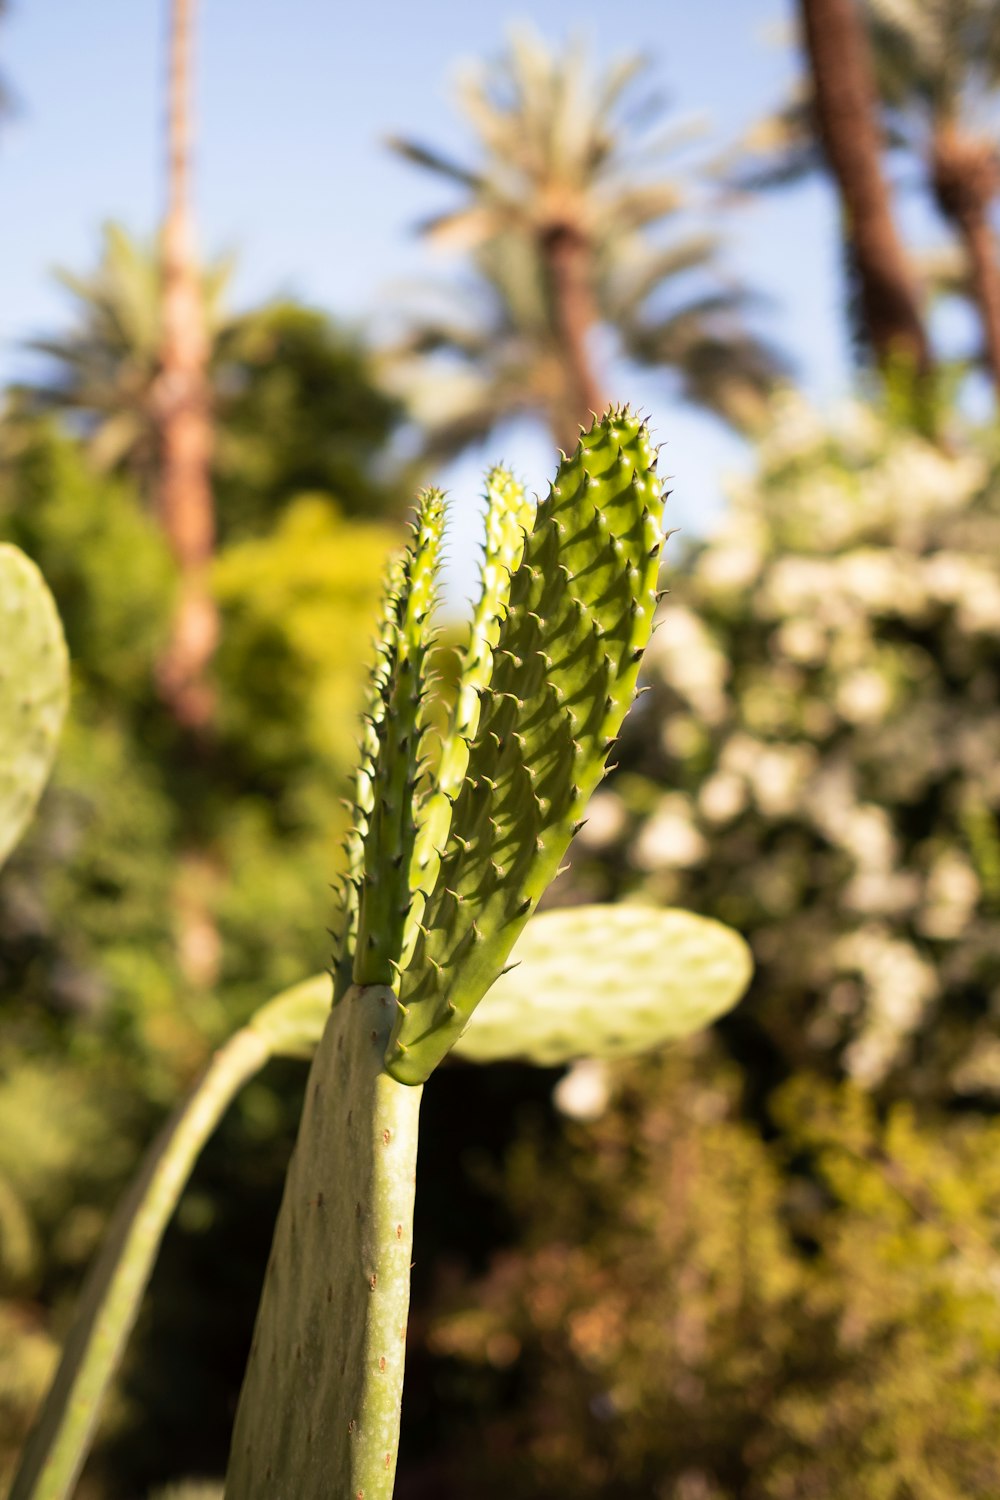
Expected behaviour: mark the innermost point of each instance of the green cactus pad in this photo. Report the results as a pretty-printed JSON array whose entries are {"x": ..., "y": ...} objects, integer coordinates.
[
  {"x": 607, "y": 981},
  {"x": 509, "y": 514},
  {"x": 33, "y": 691},
  {"x": 579, "y": 614},
  {"x": 385, "y": 896},
  {"x": 344, "y": 922}
]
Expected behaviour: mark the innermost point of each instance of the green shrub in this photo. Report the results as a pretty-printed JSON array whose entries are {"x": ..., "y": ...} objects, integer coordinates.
[{"x": 690, "y": 1311}]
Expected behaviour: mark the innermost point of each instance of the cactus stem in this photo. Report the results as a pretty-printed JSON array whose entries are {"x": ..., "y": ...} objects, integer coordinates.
[{"x": 357, "y": 1148}]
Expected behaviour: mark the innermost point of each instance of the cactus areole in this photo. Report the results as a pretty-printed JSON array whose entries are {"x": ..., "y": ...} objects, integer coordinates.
[{"x": 452, "y": 847}]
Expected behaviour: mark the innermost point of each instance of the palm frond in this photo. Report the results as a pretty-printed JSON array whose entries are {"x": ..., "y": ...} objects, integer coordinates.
[
  {"x": 104, "y": 368},
  {"x": 564, "y": 150},
  {"x": 638, "y": 276},
  {"x": 433, "y": 161}
]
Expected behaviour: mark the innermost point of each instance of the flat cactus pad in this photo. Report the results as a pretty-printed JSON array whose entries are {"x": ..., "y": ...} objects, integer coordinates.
[{"x": 607, "y": 981}]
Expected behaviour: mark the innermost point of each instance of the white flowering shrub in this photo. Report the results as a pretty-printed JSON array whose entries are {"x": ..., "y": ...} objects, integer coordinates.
[{"x": 819, "y": 760}]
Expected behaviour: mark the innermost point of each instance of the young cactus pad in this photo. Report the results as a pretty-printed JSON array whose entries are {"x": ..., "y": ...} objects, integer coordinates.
[
  {"x": 33, "y": 691},
  {"x": 407, "y": 640},
  {"x": 578, "y": 616},
  {"x": 608, "y": 981},
  {"x": 447, "y": 862}
]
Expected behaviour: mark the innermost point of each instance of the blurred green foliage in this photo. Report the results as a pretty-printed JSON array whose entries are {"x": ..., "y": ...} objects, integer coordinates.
[
  {"x": 300, "y": 412},
  {"x": 763, "y": 1267},
  {"x": 695, "y": 1309}
]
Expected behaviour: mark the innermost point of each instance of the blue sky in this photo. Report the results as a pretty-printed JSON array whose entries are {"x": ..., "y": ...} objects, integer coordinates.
[{"x": 294, "y": 102}]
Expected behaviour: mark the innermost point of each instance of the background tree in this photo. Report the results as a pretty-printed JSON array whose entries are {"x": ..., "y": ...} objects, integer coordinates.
[
  {"x": 558, "y": 221},
  {"x": 299, "y": 410},
  {"x": 137, "y": 368},
  {"x": 104, "y": 372},
  {"x": 937, "y": 72},
  {"x": 938, "y": 65},
  {"x": 845, "y": 112},
  {"x": 182, "y": 402},
  {"x": 294, "y": 402}
]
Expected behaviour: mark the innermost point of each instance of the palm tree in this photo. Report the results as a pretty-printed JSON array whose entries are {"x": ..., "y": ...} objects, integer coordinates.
[
  {"x": 937, "y": 72},
  {"x": 294, "y": 403},
  {"x": 556, "y": 222},
  {"x": 183, "y": 407},
  {"x": 136, "y": 370},
  {"x": 939, "y": 65},
  {"x": 845, "y": 112},
  {"x": 105, "y": 370}
]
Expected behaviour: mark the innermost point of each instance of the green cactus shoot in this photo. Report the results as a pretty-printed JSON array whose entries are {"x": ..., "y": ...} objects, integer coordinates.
[
  {"x": 549, "y": 674},
  {"x": 456, "y": 835}
]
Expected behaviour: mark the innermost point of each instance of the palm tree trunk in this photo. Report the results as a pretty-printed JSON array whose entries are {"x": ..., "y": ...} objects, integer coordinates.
[
  {"x": 184, "y": 492},
  {"x": 568, "y": 261},
  {"x": 966, "y": 175},
  {"x": 845, "y": 103}
]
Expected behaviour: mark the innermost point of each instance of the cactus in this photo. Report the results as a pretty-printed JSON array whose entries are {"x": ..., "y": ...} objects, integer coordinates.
[
  {"x": 33, "y": 691},
  {"x": 344, "y": 925},
  {"x": 509, "y": 514},
  {"x": 447, "y": 858},
  {"x": 562, "y": 672}
]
